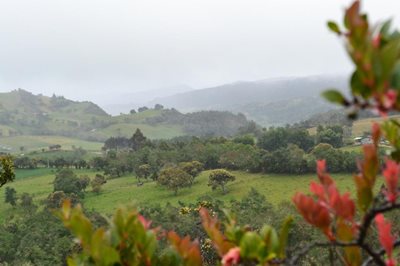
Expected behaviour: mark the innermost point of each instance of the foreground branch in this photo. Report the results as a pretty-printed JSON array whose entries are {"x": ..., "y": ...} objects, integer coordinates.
[{"x": 375, "y": 257}]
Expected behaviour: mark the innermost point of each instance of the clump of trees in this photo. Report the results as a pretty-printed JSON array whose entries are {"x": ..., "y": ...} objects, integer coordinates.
[
  {"x": 286, "y": 150},
  {"x": 142, "y": 109},
  {"x": 68, "y": 182},
  {"x": 332, "y": 135},
  {"x": 193, "y": 168}
]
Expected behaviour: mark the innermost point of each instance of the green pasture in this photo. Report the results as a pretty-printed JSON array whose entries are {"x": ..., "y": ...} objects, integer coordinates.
[
  {"x": 123, "y": 191},
  {"x": 30, "y": 143}
]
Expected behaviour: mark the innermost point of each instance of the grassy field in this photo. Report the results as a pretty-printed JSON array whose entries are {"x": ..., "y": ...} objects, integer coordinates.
[
  {"x": 364, "y": 125},
  {"x": 122, "y": 191},
  {"x": 31, "y": 143},
  {"x": 152, "y": 132}
]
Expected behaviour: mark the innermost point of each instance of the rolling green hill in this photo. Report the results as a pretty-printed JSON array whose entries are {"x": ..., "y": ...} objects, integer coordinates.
[{"x": 37, "y": 121}]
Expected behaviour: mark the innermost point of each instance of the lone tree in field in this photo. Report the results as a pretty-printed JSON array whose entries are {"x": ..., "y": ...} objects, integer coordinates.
[
  {"x": 174, "y": 178},
  {"x": 193, "y": 168},
  {"x": 11, "y": 196},
  {"x": 219, "y": 178}
]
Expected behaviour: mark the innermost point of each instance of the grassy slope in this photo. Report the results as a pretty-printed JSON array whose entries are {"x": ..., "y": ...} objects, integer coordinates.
[
  {"x": 39, "y": 142},
  {"x": 127, "y": 125},
  {"x": 122, "y": 191},
  {"x": 152, "y": 132},
  {"x": 364, "y": 125}
]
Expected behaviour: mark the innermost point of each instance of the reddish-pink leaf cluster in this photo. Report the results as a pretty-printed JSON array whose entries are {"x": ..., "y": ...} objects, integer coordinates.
[
  {"x": 232, "y": 257},
  {"x": 327, "y": 203},
  {"x": 386, "y": 238},
  {"x": 391, "y": 174},
  {"x": 146, "y": 223}
]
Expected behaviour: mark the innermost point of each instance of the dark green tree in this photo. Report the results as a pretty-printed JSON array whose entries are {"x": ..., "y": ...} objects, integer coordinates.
[
  {"x": 273, "y": 139},
  {"x": 332, "y": 135},
  {"x": 67, "y": 181},
  {"x": 158, "y": 107},
  {"x": 26, "y": 201},
  {"x": 84, "y": 181},
  {"x": 138, "y": 140},
  {"x": 11, "y": 196},
  {"x": 142, "y": 109},
  {"x": 247, "y": 139}
]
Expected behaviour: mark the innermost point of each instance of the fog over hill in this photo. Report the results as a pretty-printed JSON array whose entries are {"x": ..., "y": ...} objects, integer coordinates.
[
  {"x": 124, "y": 102},
  {"x": 270, "y": 102}
]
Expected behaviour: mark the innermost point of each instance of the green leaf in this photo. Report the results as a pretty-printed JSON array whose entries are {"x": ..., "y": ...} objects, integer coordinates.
[
  {"x": 249, "y": 245},
  {"x": 283, "y": 236},
  {"x": 395, "y": 81},
  {"x": 334, "y": 96},
  {"x": 357, "y": 86},
  {"x": 364, "y": 193},
  {"x": 270, "y": 237},
  {"x": 389, "y": 56},
  {"x": 386, "y": 27},
  {"x": 334, "y": 27}
]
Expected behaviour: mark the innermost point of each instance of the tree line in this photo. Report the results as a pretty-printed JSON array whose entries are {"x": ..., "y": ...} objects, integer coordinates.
[{"x": 283, "y": 150}]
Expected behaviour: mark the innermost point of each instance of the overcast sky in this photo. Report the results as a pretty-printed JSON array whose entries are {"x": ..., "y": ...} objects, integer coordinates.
[{"x": 92, "y": 49}]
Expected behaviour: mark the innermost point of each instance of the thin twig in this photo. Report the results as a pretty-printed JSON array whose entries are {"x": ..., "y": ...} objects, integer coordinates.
[
  {"x": 360, "y": 241},
  {"x": 380, "y": 253}
]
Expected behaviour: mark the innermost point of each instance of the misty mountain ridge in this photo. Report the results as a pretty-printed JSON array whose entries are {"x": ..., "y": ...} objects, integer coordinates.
[{"x": 276, "y": 101}]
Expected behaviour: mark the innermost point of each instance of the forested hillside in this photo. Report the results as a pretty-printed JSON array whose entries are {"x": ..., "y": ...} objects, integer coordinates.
[{"x": 269, "y": 102}]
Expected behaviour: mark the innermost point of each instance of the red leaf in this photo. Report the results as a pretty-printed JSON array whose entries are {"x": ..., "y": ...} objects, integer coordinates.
[
  {"x": 376, "y": 132},
  {"x": 385, "y": 235},
  {"x": 232, "y": 257},
  {"x": 391, "y": 174},
  {"x": 323, "y": 176},
  {"x": 314, "y": 213},
  {"x": 212, "y": 227}
]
